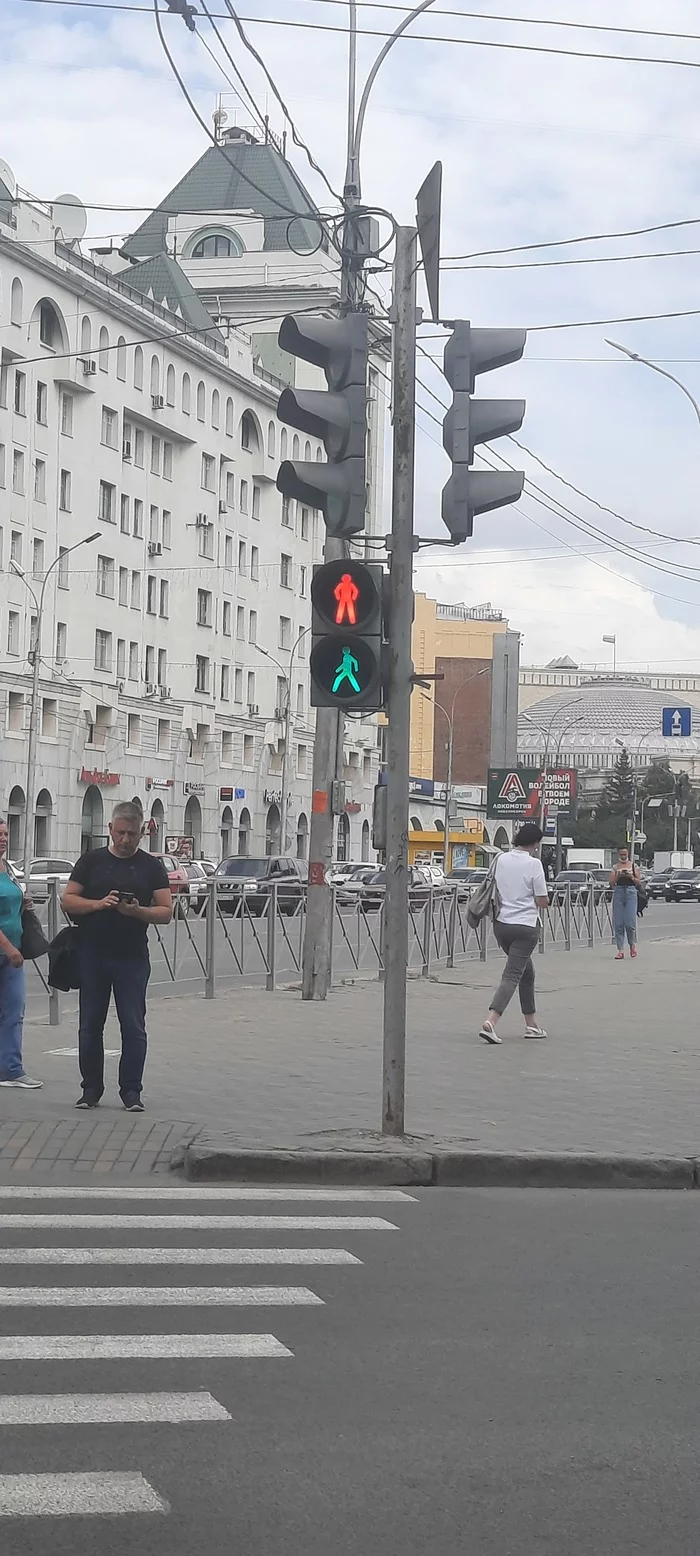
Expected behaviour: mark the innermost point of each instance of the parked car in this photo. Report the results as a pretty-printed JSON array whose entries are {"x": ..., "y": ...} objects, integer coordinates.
[
  {"x": 198, "y": 883},
  {"x": 340, "y": 874},
  {"x": 435, "y": 873},
  {"x": 601, "y": 883},
  {"x": 371, "y": 893},
  {"x": 246, "y": 884},
  {"x": 349, "y": 893},
  {"x": 178, "y": 881},
  {"x": 580, "y": 883},
  {"x": 655, "y": 884},
  {"x": 466, "y": 878},
  {"x": 41, "y": 871},
  {"x": 683, "y": 886}
]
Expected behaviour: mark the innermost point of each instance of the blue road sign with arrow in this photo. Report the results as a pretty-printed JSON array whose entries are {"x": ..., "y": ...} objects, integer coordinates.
[{"x": 676, "y": 721}]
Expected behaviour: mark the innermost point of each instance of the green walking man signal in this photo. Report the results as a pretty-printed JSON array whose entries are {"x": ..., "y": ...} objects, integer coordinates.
[{"x": 346, "y": 625}]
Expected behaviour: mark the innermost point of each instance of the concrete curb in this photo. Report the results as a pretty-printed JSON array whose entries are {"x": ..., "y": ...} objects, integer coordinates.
[{"x": 422, "y": 1165}]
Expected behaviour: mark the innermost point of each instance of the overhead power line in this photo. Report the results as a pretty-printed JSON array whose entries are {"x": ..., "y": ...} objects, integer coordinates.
[
  {"x": 590, "y": 259},
  {"x": 587, "y": 237}
]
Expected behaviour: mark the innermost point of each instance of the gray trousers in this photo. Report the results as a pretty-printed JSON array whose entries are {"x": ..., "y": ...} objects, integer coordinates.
[{"x": 518, "y": 941}]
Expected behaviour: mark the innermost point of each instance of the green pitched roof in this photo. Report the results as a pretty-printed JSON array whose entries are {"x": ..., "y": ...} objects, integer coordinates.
[
  {"x": 162, "y": 279},
  {"x": 219, "y": 181}
]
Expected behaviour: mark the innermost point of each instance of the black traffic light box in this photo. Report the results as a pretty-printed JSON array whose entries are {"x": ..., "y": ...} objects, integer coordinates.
[
  {"x": 469, "y": 422},
  {"x": 346, "y": 626},
  {"x": 337, "y": 415}
]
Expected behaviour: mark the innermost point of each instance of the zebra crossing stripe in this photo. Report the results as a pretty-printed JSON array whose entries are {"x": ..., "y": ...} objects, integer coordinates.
[
  {"x": 198, "y": 1256},
  {"x": 234, "y": 1192},
  {"x": 20, "y": 1223},
  {"x": 69, "y": 1496},
  {"x": 147, "y": 1347},
  {"x": 108, "y": 1409},
  {"x": 158, "y": 1296}
]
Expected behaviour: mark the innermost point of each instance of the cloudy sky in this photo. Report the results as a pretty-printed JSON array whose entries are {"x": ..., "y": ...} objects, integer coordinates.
[{"x": 537, "y": 147}]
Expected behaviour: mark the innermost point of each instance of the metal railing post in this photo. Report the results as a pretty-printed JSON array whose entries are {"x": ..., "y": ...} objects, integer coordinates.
[
  {"x": 428, "y": 910},
  {"x": 53, "y": 923},
  {"x": 271, "y": 938},
  {"x": 482, "y": 935},
  {"x": 209, "y": 943},
  {"x": 567, "y": 917},
  {"x": 452, "y": 929},
  {"x": 590, "y": 915},
  {"x": 331, "y": 936}
]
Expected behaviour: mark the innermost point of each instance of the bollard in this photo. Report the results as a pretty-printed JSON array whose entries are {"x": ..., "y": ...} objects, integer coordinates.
[
  {"x": 271, "y": 938},
  {"x": 210, "y": 940},
  {"x": 53, "y": 923},
  {"x": 452, "y": 929}
]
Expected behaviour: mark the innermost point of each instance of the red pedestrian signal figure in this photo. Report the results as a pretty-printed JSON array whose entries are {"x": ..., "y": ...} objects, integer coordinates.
[{"x": 346, "y": 593}]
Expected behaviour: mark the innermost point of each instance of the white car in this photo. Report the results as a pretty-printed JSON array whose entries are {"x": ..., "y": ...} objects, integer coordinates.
[{"x": 40, "y": 873}]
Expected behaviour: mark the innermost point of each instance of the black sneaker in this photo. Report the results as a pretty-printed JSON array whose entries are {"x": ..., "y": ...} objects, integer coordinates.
[
  {"x": 89, "y": 1099},
  {"x": 132, "y": 1102}
]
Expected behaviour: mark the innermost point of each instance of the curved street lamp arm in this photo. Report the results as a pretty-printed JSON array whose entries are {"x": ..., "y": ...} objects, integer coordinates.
[
  {"x": 369, "y": 83},
  {"x": 635, "y": 357}
]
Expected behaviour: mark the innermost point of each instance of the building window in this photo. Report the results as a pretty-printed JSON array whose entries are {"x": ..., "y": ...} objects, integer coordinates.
[
  {"x": 303, "y": 572},
  {"x": 49, "y": 718},
  {"x": 162, "y": 667},
  {"x": 63, "y": 567},
  {"x": 225, "y": 683},
  {"x": 253, "y": 627},
  {"x": 42, "y": 404},
  {"x": 229, "y": 418},
  {"x": 61, "y": 641},
  {"x": 64, "y": 491},
  {"x": 248, "y": 750},
  {"x": 163, "y": 741},
  {"x": 204, "y": 608},
  {"x": 38, "y": 558},
  {"x": 281, "y": 697},
  {"x": 216, "y": 246},
  {"x": 67, "y": 415},
  {"x": 285, "y": 632},
  {"x": 138, "y": 519},
  {"x": 151, "y": 595},
  {"x": 107, "y": 507},
  {"x": 135, "y": 591},
  {"x": 105, "y": 576},
  {"x": 133, "y": 731},
  {"x": 154, "y": 525},
  {"x": 302, "y": 761},
  {"x": 167, "y": 461},
  {"x": 300, "y": 701},
  {"x": 285, "y": 571},
  {"x": 170, "y": 385},
  {"x": 40, "y": 480},
  {"x": 121, "y": 359},
  {"x": 256, "y": 502},
  {"x": 201, "y": 401},
  {"x": 16, "y": 546},
  {"x": 110, "y": 427},
  {"x": 240, "y": 623},
  {"x": 139, "y": 448},
  {"x": 226, "y": 619},
  {"x": 286, "y": 513},
  {"x": 13, "y": 632},
  {"x": 186, "y": 400},
  {"x": 227, "y": 746},
  {"x": 18, "y": 472},
  {"x": 15, "y": 712},
  {"x": 242, "y": 559},
  {"x": 124, "y": 515},
  {"x": 156, "y": 448},
  {"x": 164, "y": 599},
  {"x": 202, "y": 667},
  {"x": 2, "y": 464},
  {"x": 254, "y": 563},
  {"x": 305, "y": 523},
  {"x": 20, "y": 401},
  {"x": 121, "y": 659},
  {"x": 166, "y": 533},
  {"x": 16, "y": 296},
  {"x": 251, "y": 688},
  {"x": 230, "y": 488},
  {"x": 104, "y": 350},
  {"x": 208, "y": 473},
  {"x": 243, "y": 503},
  {"x": 103, "y": 650},
  {"x": 238, "y": 686},
  {"x": 133, "y": 661},
  {"x": 215, "y": 409},
  {"x": 206, "y": 540},
  {"x": 228, "y": 551},
  {"x": 249, "y": 432}
]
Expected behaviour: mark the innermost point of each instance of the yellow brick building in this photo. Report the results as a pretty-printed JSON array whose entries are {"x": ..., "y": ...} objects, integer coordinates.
[{"x": 444, "y": 632}]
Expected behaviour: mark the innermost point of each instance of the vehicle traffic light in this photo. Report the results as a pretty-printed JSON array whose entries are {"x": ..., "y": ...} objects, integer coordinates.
[
  {"x": 346, "y": 626},
  {"x": 337, "y": 415},
  {"x": 468, "y": 422}
]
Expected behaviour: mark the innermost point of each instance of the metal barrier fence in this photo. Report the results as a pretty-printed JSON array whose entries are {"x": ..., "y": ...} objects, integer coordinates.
[{"x": 211, "y": 951}]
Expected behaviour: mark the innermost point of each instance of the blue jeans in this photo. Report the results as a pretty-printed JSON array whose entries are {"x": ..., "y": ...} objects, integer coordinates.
[
  {"x": 11, "y": 1018},
  {"x": 100, "y": 977},
  {"x": 625, "y": 915}
]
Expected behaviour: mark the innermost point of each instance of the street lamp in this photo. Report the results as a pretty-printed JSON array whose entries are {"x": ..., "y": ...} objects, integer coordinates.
[
  {"x": 611, "y": 637},
  {"x": 35, "y": 661},
  {"x": 635, "y": 357},
  {"x": 450, "y": 748},
  {"x": 286, "y": 676},
  {"x": 575, "y": 703}
]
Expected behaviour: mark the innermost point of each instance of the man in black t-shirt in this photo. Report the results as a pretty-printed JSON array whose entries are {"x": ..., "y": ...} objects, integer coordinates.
[{"x": 114, "y": 894}]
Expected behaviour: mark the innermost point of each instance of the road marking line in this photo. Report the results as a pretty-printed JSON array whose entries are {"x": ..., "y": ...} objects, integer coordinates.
[
  {"x": 70, "y": 1496},
  {"x": 236, "y": 1191},
  {"x": 158, "y": 1296},
  {"x": 107, "y": 1409},
  {"x": 18, "y": 1223},
  {"x": 177, "y": 1256},
  {"x": 106, "y": 1347},
  {"x": 72, "y": 1053}
]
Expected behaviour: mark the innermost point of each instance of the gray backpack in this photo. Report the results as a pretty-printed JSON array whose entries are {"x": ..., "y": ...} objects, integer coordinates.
[{"x": 485, "y": 900}]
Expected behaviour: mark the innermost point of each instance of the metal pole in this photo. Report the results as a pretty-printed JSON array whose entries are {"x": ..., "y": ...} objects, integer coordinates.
[
  {"x": 284, "y": 807},
  {"x": 400, "y": 672},
  {"x": 209, "y": 941},
  {"x": 448, "y": 796},
  {"x": 271, "y": 939},
  {"x": 28, "y": 839},
  {"x": 53, "y": 922}
]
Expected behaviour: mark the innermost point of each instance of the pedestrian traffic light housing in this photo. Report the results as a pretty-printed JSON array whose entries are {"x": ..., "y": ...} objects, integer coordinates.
[
  {"x": 469, "y": 422},
  {"x": 338, "y": 416},
  {"x": 346, "y": 626}
]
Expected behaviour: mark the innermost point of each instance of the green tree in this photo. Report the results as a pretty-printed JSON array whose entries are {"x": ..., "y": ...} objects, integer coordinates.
[{"x": 618, "y": 795}]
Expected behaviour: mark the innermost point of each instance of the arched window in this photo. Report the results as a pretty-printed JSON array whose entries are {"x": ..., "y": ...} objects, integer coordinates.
[
  {"x": 216, "y": 245},
  {"x": 201, "y": 401},
  {"x": 250, "y": 438},
  {"x": 215, "y": 408},
  {"x": 307, "y": 449},
  {"x": 170, "y": 385},
  {"x": 155, "y": 376},
  {"x": 302, "y": 836},
  {"x": 295, "y": 446},
  {"x": 186, "y": 394},
  {"x": 365, "y": 842},
  {"x": 244, "y": 829},
  {"x": 43, "y": 812},
  {"x": 16, "y": 301},
  {"x": 271, "y": 439},
  {"x": 104, "y": 349},
  {"x": 121, "y": 358},
  {"x": 229, "y": 417},
  {"x": 319, "y": 454},
  {"x": 342, "y": 847},
  {"x": 283, "y": 443},
  {"x": 138, "y": 368},
  {"x": 85, "y": 335},
  {"x": 50, "y": 329}
]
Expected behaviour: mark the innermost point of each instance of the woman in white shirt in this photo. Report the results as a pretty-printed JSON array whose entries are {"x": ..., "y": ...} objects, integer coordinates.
[{"x": 523, "y": 891}]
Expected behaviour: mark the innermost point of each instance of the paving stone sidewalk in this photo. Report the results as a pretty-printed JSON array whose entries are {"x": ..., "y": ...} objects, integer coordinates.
[{"x": 619, "y": 1072}]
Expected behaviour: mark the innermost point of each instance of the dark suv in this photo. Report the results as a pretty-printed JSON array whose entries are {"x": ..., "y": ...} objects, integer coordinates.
[
  {"x": 683, "y": 886},
  {"x": 245, "y": 885}
]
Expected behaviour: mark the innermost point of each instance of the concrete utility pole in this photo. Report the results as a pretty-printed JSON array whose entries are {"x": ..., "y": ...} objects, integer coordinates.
[{"x": 400, "y": 682}]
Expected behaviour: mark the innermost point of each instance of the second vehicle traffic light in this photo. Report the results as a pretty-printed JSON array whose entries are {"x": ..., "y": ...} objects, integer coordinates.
[
  {"x": 346, "y": 625},
  {"x": 338, "y": 416},
  {"x": 469, "y": 422}
]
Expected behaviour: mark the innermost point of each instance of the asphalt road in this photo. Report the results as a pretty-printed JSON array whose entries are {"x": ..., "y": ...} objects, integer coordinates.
[{"x": 508, "y": 1374}]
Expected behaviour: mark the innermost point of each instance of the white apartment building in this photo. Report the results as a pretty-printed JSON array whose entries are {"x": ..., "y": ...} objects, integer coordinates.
[{"x": 131, "y": 409}]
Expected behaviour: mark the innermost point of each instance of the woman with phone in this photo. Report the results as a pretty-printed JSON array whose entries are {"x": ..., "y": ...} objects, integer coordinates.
[
  {"x": 624, "y": 878},
  {"x": 12, "y": 1071}
]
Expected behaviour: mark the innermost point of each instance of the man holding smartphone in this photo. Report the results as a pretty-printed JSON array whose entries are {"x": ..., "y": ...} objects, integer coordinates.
[{"x": 113, "y": 894}]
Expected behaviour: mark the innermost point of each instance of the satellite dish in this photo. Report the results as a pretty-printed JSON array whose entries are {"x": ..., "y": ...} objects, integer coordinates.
[
  {"x": 7, "y": 178},
  {"x": 70, "y": 215}
]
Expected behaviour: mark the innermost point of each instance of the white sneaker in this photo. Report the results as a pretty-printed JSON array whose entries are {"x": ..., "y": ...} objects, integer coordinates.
[
  {"x": 23, "y": 1083},
  {"x": 489, "y": 1033},
  {"x": 535, "y": 1032}
]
